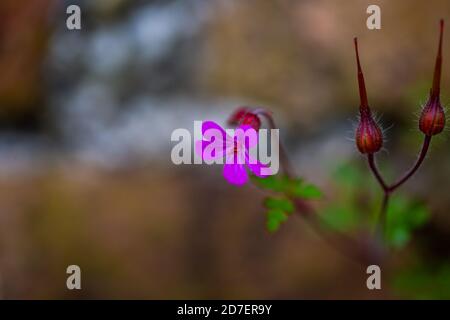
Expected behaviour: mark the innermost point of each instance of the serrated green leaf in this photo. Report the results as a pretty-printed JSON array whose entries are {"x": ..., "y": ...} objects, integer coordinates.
[
  {"x": 308, "y": 191},
  {"x": 293, "y": 187},
  {"x": 276, "y": 214},
  {"x": 272, "y": 225},
  {"x": 274, "y": 183},
  {"x": 282, "y": 204},
  {"x": 274, "y": 218}
]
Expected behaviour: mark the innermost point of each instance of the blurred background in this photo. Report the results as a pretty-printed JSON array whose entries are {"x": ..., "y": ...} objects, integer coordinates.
[{"x": 85, "y": 123}]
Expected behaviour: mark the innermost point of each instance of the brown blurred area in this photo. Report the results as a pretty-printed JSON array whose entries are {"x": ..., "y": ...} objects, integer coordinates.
[
  {"x": 298, "y": 55},
  {"x": 85, "y": 123},
  {"x": 136, "y": 237},
  {"x": 24, "y": 33}
]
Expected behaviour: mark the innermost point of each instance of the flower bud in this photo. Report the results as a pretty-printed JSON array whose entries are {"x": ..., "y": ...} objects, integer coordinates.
[
  {"x": 368, "y": 136},
  {"x": 245, "y": 116},
  {"x": 432, "y": 119}
]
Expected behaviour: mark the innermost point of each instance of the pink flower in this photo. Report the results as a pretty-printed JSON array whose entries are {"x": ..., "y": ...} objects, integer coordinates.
[{"x": 216, "y": 144}]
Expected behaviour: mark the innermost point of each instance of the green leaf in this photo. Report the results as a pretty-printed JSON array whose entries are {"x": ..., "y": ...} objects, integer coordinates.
[
  {"x": 276, "y": 214},
  {"x": 307, "y": 191},
  {"x": 274, "y": 183},
  {"x": 291, "y": 187},
  {"x": 272, "y": 225},
  {"x": 282, "y": 204},
  {"x": 274, "y": 218}
]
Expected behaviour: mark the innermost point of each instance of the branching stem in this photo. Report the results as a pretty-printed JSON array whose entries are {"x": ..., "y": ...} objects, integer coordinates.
[
  {"x": 348, "y": 246},
  {"x": 389, "y": 189}
]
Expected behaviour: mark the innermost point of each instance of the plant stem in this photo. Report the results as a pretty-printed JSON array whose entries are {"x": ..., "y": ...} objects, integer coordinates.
[
  {"x": 381, "y": 226},
  {"x": 381, "y": 223},
  {"x": 389, "y": 189},
  {"x": 420, "y": 158},
  {"x": 376, "y": 172}
]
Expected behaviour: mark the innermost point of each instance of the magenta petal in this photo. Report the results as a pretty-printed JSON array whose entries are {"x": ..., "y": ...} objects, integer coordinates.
[
  {"x": 207, "y": 125},
  {"x": 250, "y": 133},
  {"x": 217, "y": 150},
  {"x": 255, "y": 166},
  {"x": 214, "y": 133},
  {"x": 213, "y": 140},
  {"x": 235, "y": 174}
]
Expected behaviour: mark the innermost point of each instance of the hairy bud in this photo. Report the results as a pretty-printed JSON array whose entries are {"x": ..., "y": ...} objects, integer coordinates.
[
  {"x": 369, "y": 137},
  {"x": 432, "y": 119}
]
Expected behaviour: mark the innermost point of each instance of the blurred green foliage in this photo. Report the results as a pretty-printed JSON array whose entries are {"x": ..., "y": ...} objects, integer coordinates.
[
  {"x": 356, "y": 203},
  {"x": 353, "y": 207},
  {"x": 403, "y": 217},
  {"x": 423, "y": 282}
]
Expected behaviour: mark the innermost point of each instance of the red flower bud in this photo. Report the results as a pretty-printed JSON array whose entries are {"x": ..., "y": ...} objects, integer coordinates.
[
  {"x": 432, "y": 119},
  {"x": 368, "y": 136},
  {"x": 245, "y": 116}
]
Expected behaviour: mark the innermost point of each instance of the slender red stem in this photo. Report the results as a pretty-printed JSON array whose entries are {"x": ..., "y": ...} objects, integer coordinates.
[
  {"x": 376, "y": 172},
  {"x": 380, "y": 225},
  {"x": 410, "y": 172},
  {"x": 382, "y": 218}
]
